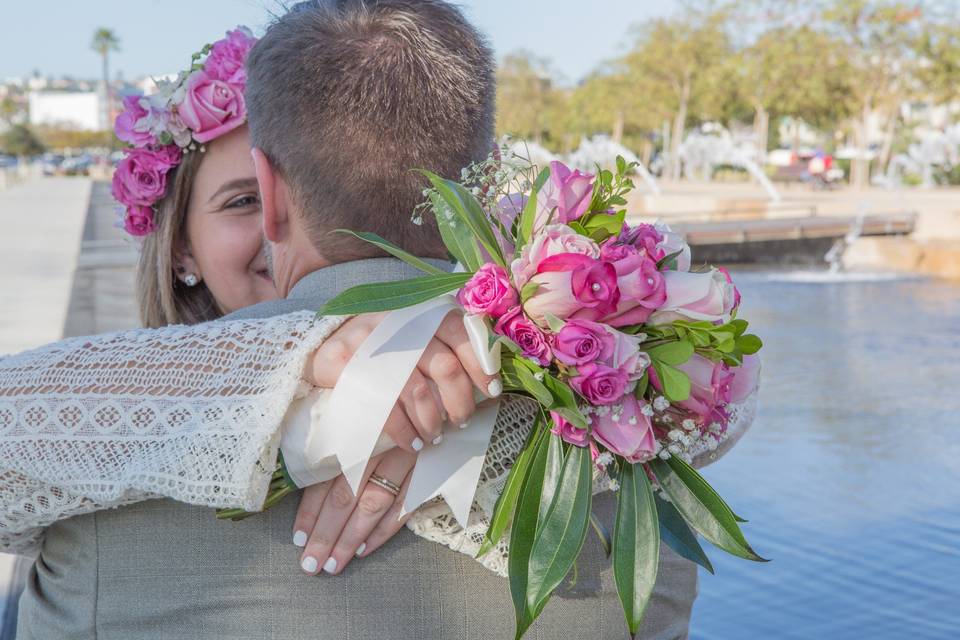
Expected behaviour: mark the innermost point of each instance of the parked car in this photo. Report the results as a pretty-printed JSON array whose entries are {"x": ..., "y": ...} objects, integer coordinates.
[{"x": 51, "y": 163}]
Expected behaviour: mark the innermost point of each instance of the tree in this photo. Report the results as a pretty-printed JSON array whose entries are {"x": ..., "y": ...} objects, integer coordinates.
[
  {"x": 525, "y": 95},
  {"x": 20, "y": 141},
  {"x": 105, "y": 41}
]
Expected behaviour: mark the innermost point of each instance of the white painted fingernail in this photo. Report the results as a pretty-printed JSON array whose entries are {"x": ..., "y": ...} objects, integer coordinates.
[
  {"x": 300, "y": 538},
  {"x": 417, "y": 444},
  {"x": 330, "y": 565},
  {"x": 309, "y": 564},
  {"x": 361, "y": 549},
  {"x": 465, "y": 425},
  {"x": 495, "y": 387},
  {"x": 438, "y": 439}
]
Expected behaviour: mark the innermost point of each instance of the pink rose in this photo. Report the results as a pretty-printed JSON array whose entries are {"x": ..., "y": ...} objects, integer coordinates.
[
  {"x": 645, "y": 238},
  {"x": 141, "y": 177},
  {"x": 736, "y": 292},
  {"x": 599, "y": 384},
  {"x": 710, "y": 386},
  {"x": 531, "y": 340},
  {"x": 695, "y": 296},
  {"x": 139, "y": 221},
  {"x": 227, "y": 57},
  {"x": 625, "y": 431},
  {"x": 488, "y": 292},
  {"x": 550, "y": 241},
  {"x": 573, "y": 285},
  {"x": 168, "y": 156},
  {"x": 211, "y": 107},
  {"x": 672, "y": 243},
  {"x": 626, "y": 355},
  {"x": 581, "y": 342},
  {"x": 745, "y": 378},
  {"x": 642, "y": 289},
  {"x": 125, "y": 126},
  {"x": 568, "y": 432},
  {"x": 565, "y": 197}
]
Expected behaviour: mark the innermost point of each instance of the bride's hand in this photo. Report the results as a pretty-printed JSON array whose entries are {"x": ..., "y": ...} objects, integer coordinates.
[
  {"x": 449, "y": 362},
  {"x": 338, "y": 526}
]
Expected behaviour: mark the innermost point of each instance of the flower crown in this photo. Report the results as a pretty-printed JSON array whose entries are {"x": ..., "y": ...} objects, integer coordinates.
[{"x": 203, "y": 103}]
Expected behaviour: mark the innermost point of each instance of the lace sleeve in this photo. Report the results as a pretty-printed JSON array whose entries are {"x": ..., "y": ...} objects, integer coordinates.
[{"x": 190, "y": 413}]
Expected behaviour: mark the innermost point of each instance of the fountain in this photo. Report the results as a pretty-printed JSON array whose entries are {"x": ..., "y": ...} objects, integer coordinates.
[
  {"x": 601, "y": 150},
  {"x": 710, "y": 146},
  {"x": 933, "y": 149}
]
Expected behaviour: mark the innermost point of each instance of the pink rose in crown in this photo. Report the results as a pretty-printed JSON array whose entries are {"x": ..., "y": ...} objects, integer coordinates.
[
  {"x": 168, "y": 156},
  {"x": 552, "y": 240},
  {"x": 696, "y": 296},
  {"x": 227, "y": 57},
  {"x": 488, "y": 292},
  {"x": 139, "y": 221},
  {"x": 642, "y": 287},
  {"x": 625, "y": 431},
  {"x": 573, "y": 285},
  {"x": 211, "y": 107},
  {"x": 564, "y": 197},
  {"x": 600, "y": 384},
  {"x": 528, "y": 336},
  {"x": 580, "y": 342},
  {"x": 126, "y": 125},
  {"x": 569, "y": 432},
  {"x": 140, "y": 178}
]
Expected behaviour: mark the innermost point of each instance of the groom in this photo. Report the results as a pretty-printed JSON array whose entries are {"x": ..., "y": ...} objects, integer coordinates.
[{"x": 344, "y": 98}]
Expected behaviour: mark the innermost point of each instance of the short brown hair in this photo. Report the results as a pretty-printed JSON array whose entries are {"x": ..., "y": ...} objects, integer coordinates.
[{"x": 347, "y": 97}]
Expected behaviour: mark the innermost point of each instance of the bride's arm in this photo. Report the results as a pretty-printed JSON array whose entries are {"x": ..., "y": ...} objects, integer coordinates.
[{"x": 191, "y": 413}]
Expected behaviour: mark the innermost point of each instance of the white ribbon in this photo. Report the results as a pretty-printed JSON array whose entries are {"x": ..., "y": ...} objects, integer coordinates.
[{"x": 339, "y": 431}]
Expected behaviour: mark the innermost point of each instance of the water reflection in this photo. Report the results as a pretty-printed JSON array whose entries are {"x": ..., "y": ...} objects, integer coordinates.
[{"x": 851, "y": 474}]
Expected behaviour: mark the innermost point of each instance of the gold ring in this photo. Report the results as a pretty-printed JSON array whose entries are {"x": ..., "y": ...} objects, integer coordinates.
[{"x": 380, "y": 481}]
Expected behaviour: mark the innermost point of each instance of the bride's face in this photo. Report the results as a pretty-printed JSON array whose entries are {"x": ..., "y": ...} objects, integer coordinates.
[{"x": 224, "y": 226}]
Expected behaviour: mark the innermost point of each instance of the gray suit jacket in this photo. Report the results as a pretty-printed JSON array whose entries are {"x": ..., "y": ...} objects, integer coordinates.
[{"x": 167, "y": 570}]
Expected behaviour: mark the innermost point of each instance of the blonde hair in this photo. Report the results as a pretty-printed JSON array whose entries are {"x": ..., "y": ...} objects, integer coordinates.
[{"x": 161, "y": 297}]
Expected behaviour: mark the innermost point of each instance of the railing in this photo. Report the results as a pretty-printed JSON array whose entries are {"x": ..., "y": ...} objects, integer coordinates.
[{"x": 740, "y": 231}]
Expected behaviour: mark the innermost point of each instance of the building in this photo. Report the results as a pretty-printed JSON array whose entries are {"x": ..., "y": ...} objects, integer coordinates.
[{"x": 79, "y": 110}]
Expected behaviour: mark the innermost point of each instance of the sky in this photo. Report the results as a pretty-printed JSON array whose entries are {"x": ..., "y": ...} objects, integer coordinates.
[{"x": 158, "y": 36}]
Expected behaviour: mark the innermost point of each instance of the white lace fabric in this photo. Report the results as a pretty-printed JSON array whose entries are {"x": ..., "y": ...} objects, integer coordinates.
[{"x": 186, "y": 412}]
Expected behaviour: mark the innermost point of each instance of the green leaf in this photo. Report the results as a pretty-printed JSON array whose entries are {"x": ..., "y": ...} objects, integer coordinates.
[
  {"x": 561, "y": 534},
  {"x": 470, "y": 212},
  {"x": 642, "y": 384},
  {"x": 529, "y": 214},
  {"x": 611, "y": 224},
  {"x": 522, "y": 535},
  {"x": 528, "y": 291},
  {"x": 536, "y": 388},
  {"x": 455, "y": 235},
  {"x": 387, "y": 296},
  {"x": 702, "y": 507},
  {"x": 749, "y": 344},
  {"x": 739, "y": 327},
  {"x": 676, "y": 384},
  {"x": 636, "y": 544},
  {"x": 555, "y": 323},
  {"x": 552, "y": 473},
  {"x": 676, "y": 533},
  {"x": 507, "y": 502},
  {"x": 395, "y": 251},
  {"x": 669, "y": 261},
  {"x": 672, "y": 353},
  {"x": 603, "y": 534}
]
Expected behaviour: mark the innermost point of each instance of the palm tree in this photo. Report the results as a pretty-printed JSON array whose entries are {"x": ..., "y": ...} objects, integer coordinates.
[{"x": 105, "y": 41}]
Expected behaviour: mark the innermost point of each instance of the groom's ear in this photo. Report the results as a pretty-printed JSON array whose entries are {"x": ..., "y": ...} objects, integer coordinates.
[{"x": 273, "y": 198}]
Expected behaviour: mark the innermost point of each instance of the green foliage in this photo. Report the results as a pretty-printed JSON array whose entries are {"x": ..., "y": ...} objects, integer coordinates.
[{"x": 20, "y": 140}]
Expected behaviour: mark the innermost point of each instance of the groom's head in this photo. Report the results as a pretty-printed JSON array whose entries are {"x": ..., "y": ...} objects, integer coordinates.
[{"x": 345, "y": 99}]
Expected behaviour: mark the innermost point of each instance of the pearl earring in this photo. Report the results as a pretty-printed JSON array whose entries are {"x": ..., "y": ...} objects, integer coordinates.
[{"x": 190, "y": 280}]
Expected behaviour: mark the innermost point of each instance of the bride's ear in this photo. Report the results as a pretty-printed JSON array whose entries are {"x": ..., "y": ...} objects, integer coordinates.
[
  {"x": 272, "y": 197},
  {"x": 185, "y": 266}
]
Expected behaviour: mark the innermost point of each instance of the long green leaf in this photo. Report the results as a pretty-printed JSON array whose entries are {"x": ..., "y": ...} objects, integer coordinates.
[
  {"x": 702, "y": 507},
  {"x": 455, "y": 235},
  {"x": 469, "y": 210},
  {"x": 395, "y": 251},
  {"x": 636, "y": 544},
  {"x": 675, "y": 531},
  {"x": 603, "y": 534},
  {"x": 522, "y": 535},
  {"x": 529, "y": 214},
  {"x": 507, "y": 501},
  {"x": 387, "y": 296},
  {"x": 564, "y": 529},
  {"x": 552, "y": 477}
]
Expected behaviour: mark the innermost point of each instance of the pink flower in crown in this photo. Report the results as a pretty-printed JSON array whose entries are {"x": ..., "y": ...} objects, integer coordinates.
[
  {"x": 565, "y": 196},
  {"x": 573, "y": 285},
  {"x": 600, "y": 384},
  {"x": 211, "y": 107},
  {"x": 580, "y": 342},
  {"x": 227, "y": 57},
  {"x": 696, "y": 296},
  {"x": 531, "y": 340},
  {"x": 139, "y": 221},
  {"x": 552, "y": 240},
  {"x": 489, "y": 292},
  {"x": 141, "y": 177},
  {"x": 169, "y": 155},
  {"x": 568, "y": 432},
  {"x": 126, "y": 124},
  {"x": 625, "y": 430},
  {"x": 641, "y": 285}
]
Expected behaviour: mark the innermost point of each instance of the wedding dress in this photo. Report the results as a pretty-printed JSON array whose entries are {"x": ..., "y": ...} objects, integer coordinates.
[{"x": 193, "y": 413}]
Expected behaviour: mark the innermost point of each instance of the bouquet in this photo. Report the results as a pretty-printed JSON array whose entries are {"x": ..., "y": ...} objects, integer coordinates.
[{"x": 633, "y": 358}]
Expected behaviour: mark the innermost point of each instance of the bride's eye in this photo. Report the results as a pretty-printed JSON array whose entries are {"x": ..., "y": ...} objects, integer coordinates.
[{"x": 242, "y": 202}]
